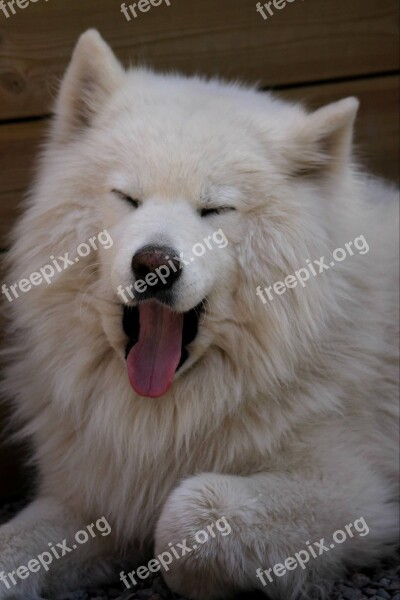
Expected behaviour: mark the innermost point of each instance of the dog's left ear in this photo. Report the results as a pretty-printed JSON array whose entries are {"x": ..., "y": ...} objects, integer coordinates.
[
  {"x": 93, "y": 75},
  {"x": 324, "y": 139}
]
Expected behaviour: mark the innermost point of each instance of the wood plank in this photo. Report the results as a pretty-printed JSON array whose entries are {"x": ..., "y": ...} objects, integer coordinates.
[
  {"x": 377, "y": 137},
  {"x": 19, "y": 145},
  {"x": 306, "y": 41}
]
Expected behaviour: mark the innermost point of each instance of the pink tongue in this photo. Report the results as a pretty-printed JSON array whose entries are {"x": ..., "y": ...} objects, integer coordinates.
[{"x": 153, "y": 360}]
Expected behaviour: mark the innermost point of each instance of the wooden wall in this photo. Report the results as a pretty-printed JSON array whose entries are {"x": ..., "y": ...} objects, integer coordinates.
[{"x": 313, "y": 50}]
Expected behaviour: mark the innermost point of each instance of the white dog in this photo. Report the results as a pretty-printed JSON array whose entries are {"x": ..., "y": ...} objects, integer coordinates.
[{"x": 167, "y": 380}]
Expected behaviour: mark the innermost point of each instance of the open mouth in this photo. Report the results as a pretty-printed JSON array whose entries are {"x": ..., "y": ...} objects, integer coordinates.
[{"x": 158, "y": 337}]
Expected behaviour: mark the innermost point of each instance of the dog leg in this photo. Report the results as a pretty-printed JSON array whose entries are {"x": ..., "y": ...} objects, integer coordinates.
[{"x": 272, "y": 517}]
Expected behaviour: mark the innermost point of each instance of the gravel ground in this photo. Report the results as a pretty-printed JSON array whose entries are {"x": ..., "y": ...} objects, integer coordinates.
[{"x": 379, "y": 584}]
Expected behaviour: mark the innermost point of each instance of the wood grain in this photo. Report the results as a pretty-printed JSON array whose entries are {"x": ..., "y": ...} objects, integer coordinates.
[
  {"x": 19, "y": 145},
  {"x": 307, "y": 41}
]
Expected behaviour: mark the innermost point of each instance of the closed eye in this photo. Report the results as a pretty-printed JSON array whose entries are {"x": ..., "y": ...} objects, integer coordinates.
[
  {"x": 206, "y": 212},
  {"x": 128, "y": 199}
]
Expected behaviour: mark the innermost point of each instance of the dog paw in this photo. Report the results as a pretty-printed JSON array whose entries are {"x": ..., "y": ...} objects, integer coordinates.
[{"x": 194, "y": 541}]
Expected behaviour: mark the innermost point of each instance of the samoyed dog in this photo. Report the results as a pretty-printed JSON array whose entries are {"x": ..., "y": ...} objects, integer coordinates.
[{"x": 202, "y": 344}]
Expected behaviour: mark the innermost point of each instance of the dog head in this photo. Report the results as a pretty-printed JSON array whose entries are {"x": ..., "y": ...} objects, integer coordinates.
[{"x": 207, "y": 191}]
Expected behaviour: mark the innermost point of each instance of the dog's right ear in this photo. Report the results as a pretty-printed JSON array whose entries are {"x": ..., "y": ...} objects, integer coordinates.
[
  {"x": 93, "y": 75},
  {"x": 324, "y": 139}
]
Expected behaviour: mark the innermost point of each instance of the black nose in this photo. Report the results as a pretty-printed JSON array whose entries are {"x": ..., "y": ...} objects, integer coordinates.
[{"x": 157, "y": 266}]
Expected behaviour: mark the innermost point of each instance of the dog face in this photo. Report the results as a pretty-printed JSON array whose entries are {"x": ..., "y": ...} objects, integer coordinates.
[
  {"x": 175, "y": 206},
  {"x": 205, "y": 190}
]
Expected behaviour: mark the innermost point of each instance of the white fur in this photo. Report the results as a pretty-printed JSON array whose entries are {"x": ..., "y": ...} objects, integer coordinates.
[{"x": 284, "y": 418}]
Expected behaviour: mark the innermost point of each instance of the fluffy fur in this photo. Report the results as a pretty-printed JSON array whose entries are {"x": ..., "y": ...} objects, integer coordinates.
[{"x": 284, "y": 418}]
